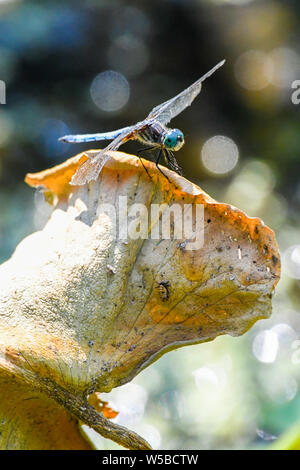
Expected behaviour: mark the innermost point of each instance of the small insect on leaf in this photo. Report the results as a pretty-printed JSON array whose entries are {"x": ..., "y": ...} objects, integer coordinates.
[{"x": 164, "y": 290}]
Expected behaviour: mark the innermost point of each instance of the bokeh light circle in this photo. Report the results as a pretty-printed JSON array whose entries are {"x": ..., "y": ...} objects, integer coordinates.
[
  {"x": 130, "y": 20},
  {"x": 110, "y": 91},
  {"x": 50, "y": 131},
  {"x": 291, "y": 261},
  {"x": 219, "y": 154},
  {"x": 286, "y": 64},
  {"x": 254, "y": 70},
  {"x": 129, "y": 55},
  {"x": 265, "y": 346}
]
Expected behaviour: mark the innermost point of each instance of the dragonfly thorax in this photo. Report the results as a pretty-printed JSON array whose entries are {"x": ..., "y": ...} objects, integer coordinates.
[
  {"x": 158, "y": 135},
  {"x": 173, "y": 139}
]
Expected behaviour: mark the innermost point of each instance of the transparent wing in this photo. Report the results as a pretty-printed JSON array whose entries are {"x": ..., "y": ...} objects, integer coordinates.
[
  {"x": 76, "y": 139},
  {"x": 171, "y": 108},
  {"x": 91, "y": 168}
]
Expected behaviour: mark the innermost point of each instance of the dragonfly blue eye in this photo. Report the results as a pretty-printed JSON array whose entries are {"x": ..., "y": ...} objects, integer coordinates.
[{"x": 174, "y": 139}]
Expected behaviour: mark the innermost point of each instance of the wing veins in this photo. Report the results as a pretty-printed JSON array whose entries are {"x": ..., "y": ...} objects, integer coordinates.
[
  {"x": 91, "y": 168},
  {"x": 171, "y": 108}
]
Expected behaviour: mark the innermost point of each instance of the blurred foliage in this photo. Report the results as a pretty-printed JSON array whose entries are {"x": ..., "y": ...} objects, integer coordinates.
[{"x": 231, "y": 393}]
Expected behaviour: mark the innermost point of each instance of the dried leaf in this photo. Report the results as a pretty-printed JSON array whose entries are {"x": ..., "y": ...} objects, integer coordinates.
[
  {"x": 84, "y": 311},
  {"x": 31, "y": 420},
  {"x": 102, "y": 406}
]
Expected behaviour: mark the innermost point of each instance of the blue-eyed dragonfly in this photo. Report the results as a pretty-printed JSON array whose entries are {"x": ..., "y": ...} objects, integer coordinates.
[{"x": 152, "y": 132}]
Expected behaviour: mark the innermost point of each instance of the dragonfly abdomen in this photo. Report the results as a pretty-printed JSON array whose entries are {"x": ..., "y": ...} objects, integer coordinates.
[{"x": 79, "y": 138}]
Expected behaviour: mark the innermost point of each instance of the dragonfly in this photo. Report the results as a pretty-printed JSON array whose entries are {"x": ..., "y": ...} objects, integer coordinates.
[{"x": 151, "y": 132}]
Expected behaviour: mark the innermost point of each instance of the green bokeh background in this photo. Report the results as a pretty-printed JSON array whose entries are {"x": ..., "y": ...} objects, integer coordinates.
[{"x": 234, "y": 392}]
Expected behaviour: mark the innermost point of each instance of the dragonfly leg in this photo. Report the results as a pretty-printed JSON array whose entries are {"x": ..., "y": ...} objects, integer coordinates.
[
  {"x": 141, "y": 160},
  {"x": 172, "y": 162},
  {"x": 147, "y": 149},
  {"x": 161, "y": 150}
]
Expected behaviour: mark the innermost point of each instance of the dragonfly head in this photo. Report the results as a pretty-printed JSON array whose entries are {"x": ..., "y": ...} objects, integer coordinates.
[{"x": 174, "y": 139}]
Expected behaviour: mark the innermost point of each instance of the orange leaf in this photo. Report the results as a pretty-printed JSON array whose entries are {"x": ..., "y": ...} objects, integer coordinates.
[
  {"x": 83, "y": 310},
  {"x": 102, "y": 406}
]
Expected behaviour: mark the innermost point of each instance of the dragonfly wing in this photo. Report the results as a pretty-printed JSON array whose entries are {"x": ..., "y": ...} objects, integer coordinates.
[
  {"x": 91, "y": 168},
  {"x": 171, "y": 108},
  {"x": 76, "y": 139}
]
